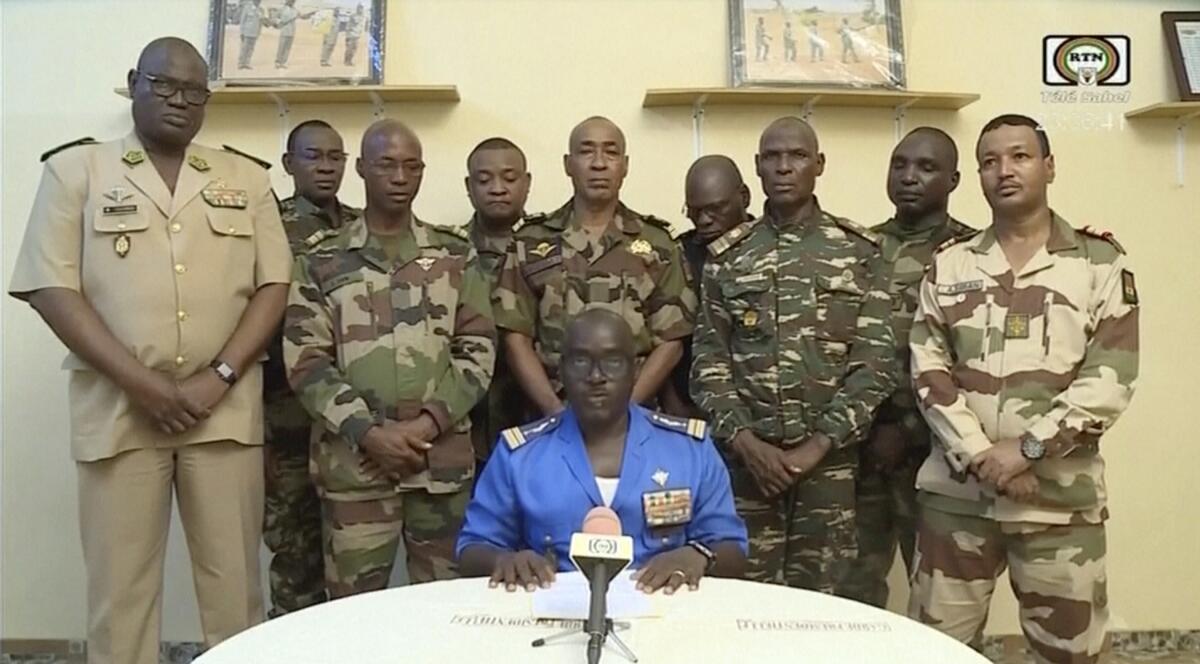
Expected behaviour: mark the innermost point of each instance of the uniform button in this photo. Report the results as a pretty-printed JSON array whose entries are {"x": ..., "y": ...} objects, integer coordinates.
[
  {"x": 666, "y": 540},
  {"x": 179, "y": 268},
  {"x": 179, "y": 360},
  {"x": 232, "y": 230},
  {"x": 175, "y": 228},
  {"x": 120, "y": 227},
  {"x": 182, "y": 315}
]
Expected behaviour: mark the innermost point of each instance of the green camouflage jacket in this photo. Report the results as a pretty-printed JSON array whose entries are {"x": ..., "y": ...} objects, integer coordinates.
[
  {"x": 306, "y": 226},
  {"x": 908, "y": 252},
  {"x": 795, "y": 336},
  {"x": 1052, "y": 351},
  {"x": 367, "y": 339},
  {"x": 553, "y": 273}
]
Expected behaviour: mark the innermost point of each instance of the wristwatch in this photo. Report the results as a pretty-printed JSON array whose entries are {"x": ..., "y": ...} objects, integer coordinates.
[
  {"x": 708, "y": 554},
  {"x": 224, "y": 371},
  {"x": 1032, "y": 448}
]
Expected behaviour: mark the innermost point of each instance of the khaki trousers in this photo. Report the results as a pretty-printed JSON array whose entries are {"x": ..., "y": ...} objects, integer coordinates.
[{"x": 124, "y": 515}]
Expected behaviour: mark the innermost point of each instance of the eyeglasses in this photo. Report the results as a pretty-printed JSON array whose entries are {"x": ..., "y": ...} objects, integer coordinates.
[
  {"x": 611, "y": 366},
  {"x": 166, "y": 88},
  {"x": 334, "y": 157}
]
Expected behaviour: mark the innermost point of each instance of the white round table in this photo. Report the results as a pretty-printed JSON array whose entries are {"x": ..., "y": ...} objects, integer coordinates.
[{"x": 464, "y": 621}]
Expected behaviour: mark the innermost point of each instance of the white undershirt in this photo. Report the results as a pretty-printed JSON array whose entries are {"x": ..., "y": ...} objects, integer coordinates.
[{"x": 608, "y": 489}]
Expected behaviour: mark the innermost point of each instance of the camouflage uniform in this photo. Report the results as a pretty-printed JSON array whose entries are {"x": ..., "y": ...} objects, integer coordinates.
[
  {"x": 368, "y": 337},
  {"x": 553, "y": 272},
  {"x": 1052, "y": 352},
  {"x": 292, "y": 515},
  {"x": 818, "y": 284},
  {"x": 505, "y": 405},
  {"x": 886, "y": 510}
]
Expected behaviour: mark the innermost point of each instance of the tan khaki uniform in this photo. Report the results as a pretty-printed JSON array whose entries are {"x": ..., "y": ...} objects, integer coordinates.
[{"x": 171, "y": 277}]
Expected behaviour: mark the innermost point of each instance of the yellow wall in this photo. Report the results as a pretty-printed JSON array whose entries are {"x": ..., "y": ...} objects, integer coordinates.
[{"x": 529, "y": 69}]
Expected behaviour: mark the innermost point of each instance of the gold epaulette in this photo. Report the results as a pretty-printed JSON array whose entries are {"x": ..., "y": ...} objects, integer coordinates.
[{"x": 691, "y": 427}]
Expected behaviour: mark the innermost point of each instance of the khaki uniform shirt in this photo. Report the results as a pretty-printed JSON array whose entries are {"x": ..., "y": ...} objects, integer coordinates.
[{"x": 169, "y": 275}]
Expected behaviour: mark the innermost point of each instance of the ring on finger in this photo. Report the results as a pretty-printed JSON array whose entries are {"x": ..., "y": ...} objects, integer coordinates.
[{"x": 681, "y": 573}]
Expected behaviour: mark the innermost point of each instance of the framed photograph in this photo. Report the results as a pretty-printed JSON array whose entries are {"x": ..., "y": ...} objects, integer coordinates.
[
  {"x": 838, "y": 43},
  {"x": 296, "y": 42},
  {"x": 1183, "y": 43}
]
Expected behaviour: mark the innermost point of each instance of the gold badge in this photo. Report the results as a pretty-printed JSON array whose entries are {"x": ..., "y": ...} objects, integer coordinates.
[
  {"x": 640, "y": 248},
  {"x": 121, "y": 245},
  {"x": 750, "y": 318},
  {"x": 1016, "y": 326},
  {"x": 542, "y": 250},
  {"x": 134, "y": 157},
  {"x": 197, "y": 163},
  {"x": 671, "y": 507},
  {"x": 426, "y": 262}
]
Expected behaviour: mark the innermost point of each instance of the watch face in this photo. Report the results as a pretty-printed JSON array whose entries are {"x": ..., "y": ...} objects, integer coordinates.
[{"x": 1032, "y": 448}]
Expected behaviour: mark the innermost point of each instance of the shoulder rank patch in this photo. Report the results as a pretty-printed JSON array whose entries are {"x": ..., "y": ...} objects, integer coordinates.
[
  {"x": 694, "y": 428},
  {"x": 319, "y": 236},
  {"x": 260, "y": 162},
  {"x": 857, "y": 229},
  {"x": 955, "y": 240},
  {"x": 731, "y": 237},
  {"x": 459, "y": 232},
  {"x": 515, "y": 437},
  {"x": 656, "y": 222},
  {"x": 1128, "y": 288},
  {"x": 87, "y": 140},
  {"x": 1107, "y": 236}
]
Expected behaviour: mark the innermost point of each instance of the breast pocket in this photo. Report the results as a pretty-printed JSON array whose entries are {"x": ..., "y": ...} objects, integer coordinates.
[
  {"x": 751, "y": 307},
  {"x": 232, "y": 233},
  {"x": 359, "y": 308},
  {"x": 119, "y": 248},
  {"x": 432, "y": 294},
  {"x": 666, "y": 538},
  {"x": 839, "y": 299}
]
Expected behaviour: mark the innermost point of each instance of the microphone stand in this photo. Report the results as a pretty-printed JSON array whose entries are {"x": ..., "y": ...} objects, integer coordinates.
[{"x": 610, "y": 632}]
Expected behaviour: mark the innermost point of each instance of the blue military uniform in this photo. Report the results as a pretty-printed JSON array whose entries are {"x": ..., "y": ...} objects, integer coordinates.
[{"x": 539, "y": 484}]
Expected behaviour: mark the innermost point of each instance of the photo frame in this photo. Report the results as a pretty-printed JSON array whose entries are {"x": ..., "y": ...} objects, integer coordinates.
[
  {"x": 296, "y": 42},
  {"x": 825, "y": 43},
  {"x": 1182, "y": 30}
]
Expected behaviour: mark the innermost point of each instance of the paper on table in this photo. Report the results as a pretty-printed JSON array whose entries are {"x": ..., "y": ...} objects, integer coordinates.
[{"x": 568, "y": 598}]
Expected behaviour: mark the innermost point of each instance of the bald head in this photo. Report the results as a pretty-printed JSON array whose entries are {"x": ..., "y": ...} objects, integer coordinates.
[
  {"x": 600, "y": 323},
  {"x": 938, "y": 140},
  {"x": 716, "y": 197},
  {"x": 386, "y": 131},
  {"x": 165, "y": 48},
  {"x": 793, "y": 128},
  {"x": 392, "y": 168},
  {"x": 596, "y": 125}
]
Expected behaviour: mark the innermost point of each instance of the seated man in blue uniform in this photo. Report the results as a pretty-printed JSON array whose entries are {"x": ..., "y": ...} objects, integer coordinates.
[{"x": 660, "y": 474}]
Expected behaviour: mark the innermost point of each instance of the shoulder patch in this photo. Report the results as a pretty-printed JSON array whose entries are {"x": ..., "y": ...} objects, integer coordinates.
[
  {"x": 515, "y": 437},
  {"x": 656, "y": 222},
  {"x": 459, "y": 232},
  {"x": 535, "y": 218},
  {"x": 691, "y": 427},
  {"x": 320, "y": 236},
  {"x": 1107, "y": 236},
  {"x": 87, "y": 140},
  {"x": 731, "y": 237},
  {"x": 260, "y": 162},
  {"x": 857, "y": 229},
  {"x": 955, "y": 240}
]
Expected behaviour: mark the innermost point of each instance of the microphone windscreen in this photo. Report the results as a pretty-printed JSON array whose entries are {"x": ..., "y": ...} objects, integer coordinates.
[{"x": 602, "y": 521}]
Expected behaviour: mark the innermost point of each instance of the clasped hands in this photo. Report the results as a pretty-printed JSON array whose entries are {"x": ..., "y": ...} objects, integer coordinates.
[
  {"x": 1003, "y": 467},
  {"x": 396, "y": 449}
]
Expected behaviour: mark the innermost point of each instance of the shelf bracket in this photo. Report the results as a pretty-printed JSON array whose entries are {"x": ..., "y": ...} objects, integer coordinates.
[
  {"x": 698, "y": 127},
  {"x": 376, "y": 105},
  {"x": 1181, "y": 146},
  {"x": 806, "y": 111},
  {"x": 898, "y": 118},
  {"x": 281, "y": 109}
]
